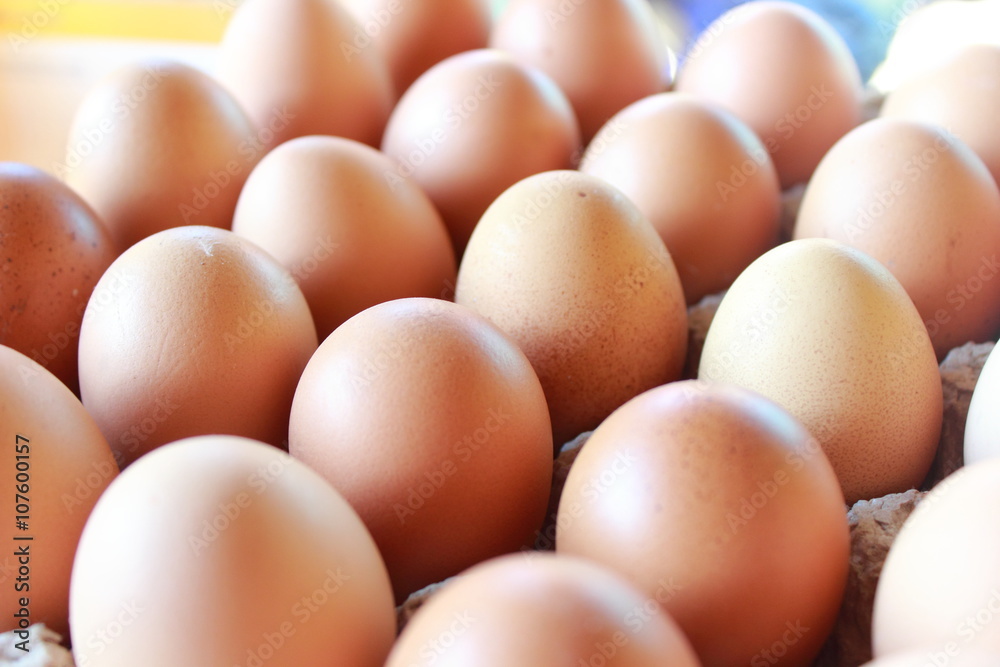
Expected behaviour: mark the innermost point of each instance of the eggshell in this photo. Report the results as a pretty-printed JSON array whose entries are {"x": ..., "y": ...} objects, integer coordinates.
[
  {"x": 293, "y": 65},
  {"x": 561, "y": 38},
  {"x": 958, "y": 657},
  {"x": 53, "y": 250},
  {"x": 55, "y": 465},
  {"x": 156, "y": 145},
  {"x": 701, "y": 177},
  {"x": 472, "y": 126},
  {"x": 718, "y": 504},
  {"x": 322, "y": 207},
  {"x": 924, "y": 205},
  {"x": 940, "y": 585},
  {"x": 541, "y": 610},
  {"x": 572, "y": 271},
  {"x": 433, "y": 425},
  {"x": 982, "y": 426},
  {"x": 224, "y": 551},
  {"x": 413, "y": 36},
  {"x": 962, "y": 94},
  {"x": 827, "y": 333},
  {"x": 193, "y": 331},
  {"x": 785, "y": 72}
]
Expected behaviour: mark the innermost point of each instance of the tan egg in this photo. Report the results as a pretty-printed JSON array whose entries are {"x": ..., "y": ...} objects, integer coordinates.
[
  {"x": 322, "y": 207},
  {"x": 982, "y": 425},
  {"x": 719, "y": 505},
  {"x": 193, "y": 331},
  {"x": 785, "y": 72},
  {"x": 227, "y": 552},
  {"x": 961, "y": 94},
  {"x": 414, "y": 36},
  {"x": 293, "y": 66},
  {"x": 572, "y": 271},
  {"x": 921, "y": 203},
  {"x": 541, "y": 610},
  {"x": 433, "y": 425},
  {"x": 53, "y": 250},
  {"x": 604, "y": 54},
  {"x": 472, "y": 126},
  {"x": 947, "y": 550},
  {"x": 957, "y": 656},
  {"x": 55, "y": 465},
  {"x": 827, "y": 333},
  {"x": 158, "y": 145},
  {"x": 703, "y": 179}
]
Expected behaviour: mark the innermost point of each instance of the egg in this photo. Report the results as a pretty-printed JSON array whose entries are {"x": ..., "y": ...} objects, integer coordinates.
[
  {"x": 297, "y": 68},
  {"x": 472, "y": 126},
  {"x": 322, "y": 207},
  {"x": 719, "y": 505},
  {"x": 924, "y": 205},
  {"x": 53, "y": 250},
  {"x": 540, "y": 610},
  {"x": 413, "y": 36},
  {"x": 962, "y": 94},
  {"x": 55, "y": 465},
  {"x": 947, "y": 550},
  {"x": 561, "y": 38},
  {"x": 569, "y": 268},
  {"x": 156, "y": 145},
  {"x": 829, "y": 334},
  {"x": 193, "y": 331},
  {"x": 433, "y": 425},
  {"x": 220, "y": 550},
  {"x": 982, "y": 427},
  {"x": 701, "y": 177},
  {"x": 785, "y": 72}
]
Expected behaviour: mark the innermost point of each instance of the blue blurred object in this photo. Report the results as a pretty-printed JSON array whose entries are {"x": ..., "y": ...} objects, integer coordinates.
[{"x": 867, "y": 30}]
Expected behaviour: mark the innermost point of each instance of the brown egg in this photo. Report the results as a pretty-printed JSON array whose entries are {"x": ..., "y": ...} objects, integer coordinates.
[
  {"x": 541, "y": 610},
  {"x": 433, "y": 425},
  {"x": 572, "y": 271},
  {"x": 474, "y": 125},
  {"x": 827, "y": 333},
  {"x": 227, "y": 552},
  {"x": 193, "y": 331},
  {"x": 322, "y": 207},
  {"x": 961, "y": 94},
  {"x": 718, "y": 504},
  {"x": 786, "y": 73},
  {"x": 158, "y": 145},
  {"x": 703, "y": 179},
  {"x": 958, "y": 657},
  {"x": 413, "y": 36},
  {"x": 294, "y": 67},
  {"x": 948, "y": 551},
  {"x": 922, "y": 203},
  {"x": 604, "y": 54},
  {"x": 53, "y": 250},
  {"x": 55, "y": 465}
]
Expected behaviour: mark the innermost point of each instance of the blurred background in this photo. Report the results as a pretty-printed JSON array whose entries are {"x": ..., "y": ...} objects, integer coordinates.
[{"x": 51, "y": 51}]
